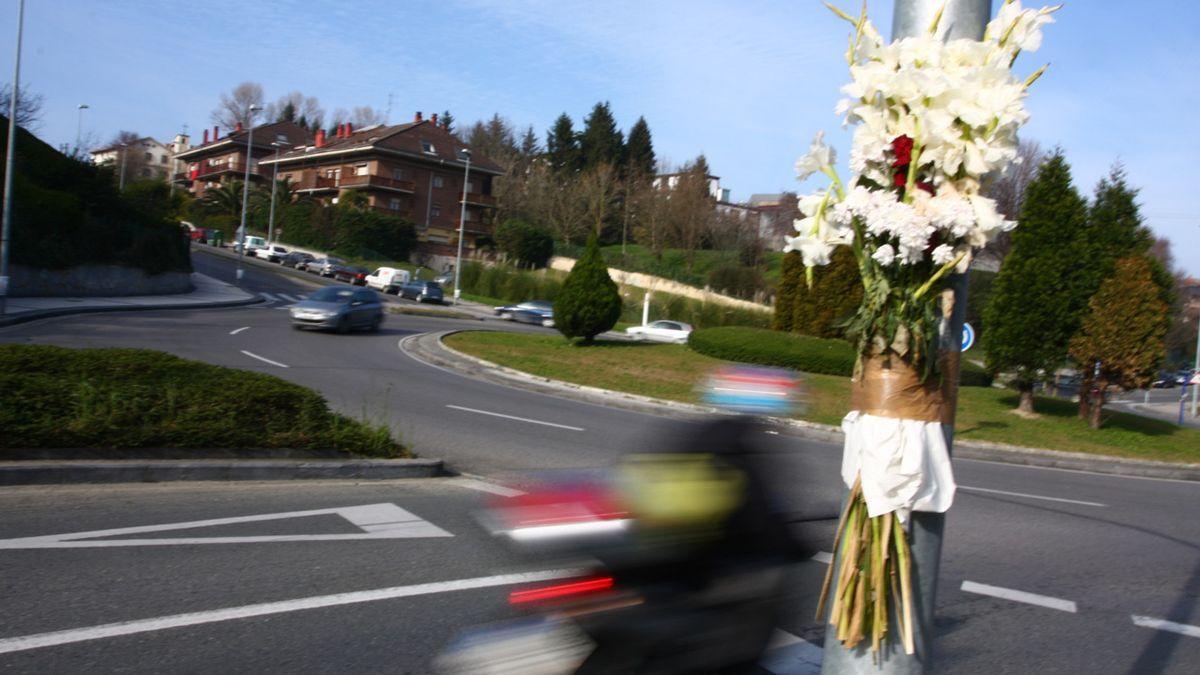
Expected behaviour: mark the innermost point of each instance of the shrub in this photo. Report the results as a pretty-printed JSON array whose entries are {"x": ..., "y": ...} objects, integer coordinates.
[
  {"x": 524, "y": 243},
  {"x": 790, "y": 276},
  {"x": 588, "y": 303}
]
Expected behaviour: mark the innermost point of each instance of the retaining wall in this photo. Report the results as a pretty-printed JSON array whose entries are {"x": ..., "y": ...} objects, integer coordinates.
[{"x": 94, "y": 281}]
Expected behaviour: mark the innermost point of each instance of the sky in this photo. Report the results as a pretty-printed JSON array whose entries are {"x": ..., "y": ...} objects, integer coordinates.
[{"x": 745, "y": 83}]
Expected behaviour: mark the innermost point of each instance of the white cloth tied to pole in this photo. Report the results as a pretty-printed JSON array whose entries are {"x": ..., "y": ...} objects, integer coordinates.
[{"x": 904, "y": 464}]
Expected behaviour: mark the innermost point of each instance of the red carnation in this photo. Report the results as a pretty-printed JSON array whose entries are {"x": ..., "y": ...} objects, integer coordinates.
[{"x": 902, "y": 150}]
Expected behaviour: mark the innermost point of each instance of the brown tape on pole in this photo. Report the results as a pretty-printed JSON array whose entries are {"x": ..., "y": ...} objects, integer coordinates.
[{"x": 890, "y": 387}]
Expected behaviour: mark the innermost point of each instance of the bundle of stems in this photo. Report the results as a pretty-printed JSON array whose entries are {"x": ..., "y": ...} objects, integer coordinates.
[{"x": 874, "y": 577}]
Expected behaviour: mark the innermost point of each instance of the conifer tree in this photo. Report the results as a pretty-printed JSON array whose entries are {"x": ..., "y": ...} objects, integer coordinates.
[
  {"x": 588, "y": 303},
  {"x": 835, "y": 294},
  {"x": 640, "y": 163},
  {"x": 601, "y": 141},
  {"x": 791, "y": 275},
  {"x": 562, "y": 147}
]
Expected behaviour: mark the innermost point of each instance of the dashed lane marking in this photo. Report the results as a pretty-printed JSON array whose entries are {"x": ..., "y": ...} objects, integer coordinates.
[
  {"x": 238, "y": 330},
  {"x": 268, "y": 297},
  {"x": 968, "y": 488},
  {"x": 264, "y": 359},
  {"x": 486, "y": 486},
  {"x": 519, "y": 419},
  {"x": 1020, "y": 596},
  {"x": 823, "y": 557},
  {"x": 1163, "y": 624}
]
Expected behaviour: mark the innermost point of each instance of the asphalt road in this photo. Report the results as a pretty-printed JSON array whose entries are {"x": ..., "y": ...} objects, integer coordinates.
[{"x": 1043, "y": 570}]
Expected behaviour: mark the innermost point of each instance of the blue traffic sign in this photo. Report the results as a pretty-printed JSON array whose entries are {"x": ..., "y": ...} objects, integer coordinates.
[{"x": 968, "y": 338}]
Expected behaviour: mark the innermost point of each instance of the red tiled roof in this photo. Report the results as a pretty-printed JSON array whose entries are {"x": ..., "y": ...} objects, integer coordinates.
[
  {"x": 404, "y": 138},
  {"x": 264, "y": 136}
]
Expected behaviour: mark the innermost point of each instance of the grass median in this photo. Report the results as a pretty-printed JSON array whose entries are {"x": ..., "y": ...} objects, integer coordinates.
[
  {"x": 112, "y": 402},
  {"x": 674, "y": 371}
]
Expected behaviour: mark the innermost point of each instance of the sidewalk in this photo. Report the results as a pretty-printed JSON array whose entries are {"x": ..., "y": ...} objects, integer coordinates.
[
  {"x": 208, "y": 293},
  {"x": 1165, "y": 411}
]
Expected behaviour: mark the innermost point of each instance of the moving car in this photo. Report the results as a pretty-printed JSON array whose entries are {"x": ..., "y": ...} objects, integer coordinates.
[
  {"x": 296, "y": 259},
  {"x": 352, "y": 274},
  {"x": 661, "y": 331},
  {"x": 271, "y": 252},
  {"x": 422, "y": 291},
  {"x": 387, "y": 279},
  {"x": 339, "y": 308},
  {"x": 538, "y": 312}
]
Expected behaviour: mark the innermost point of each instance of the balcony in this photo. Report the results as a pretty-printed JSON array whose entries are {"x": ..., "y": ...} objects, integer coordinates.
[
  {"x": 347, "y": 181},
  {"x": 476, "y": 199},
  {"x": 207, "y": 172},
  {"x": 399, "y": 213}
]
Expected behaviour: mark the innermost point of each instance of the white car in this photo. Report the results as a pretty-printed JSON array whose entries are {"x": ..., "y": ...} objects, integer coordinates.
[
  {"x": 387, "y": 279},
  {"x": 661, "y": 331},
  {"x": 270, "y": 252},
  {"x": 252, "y": 244}
]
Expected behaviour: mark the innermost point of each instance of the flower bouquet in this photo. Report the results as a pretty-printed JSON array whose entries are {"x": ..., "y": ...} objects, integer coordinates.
[{"x": 934, "y": 120}]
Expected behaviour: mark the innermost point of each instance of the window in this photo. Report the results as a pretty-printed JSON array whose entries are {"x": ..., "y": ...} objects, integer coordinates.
[
  {"x": 394, "y": 204},
  {"x": 146, "y": 171},
  {"x": 438, "y": 182},
  {"x": 399, "y": 174},
  {"x": 360, "y": 169},
  {"x": 428, "y": 148},
  {"x": 471, "y": 186},
  {"x": 435, "y": 211},
  {"x": 164, "y": 159},
  {"x": 149, "y": 157}
]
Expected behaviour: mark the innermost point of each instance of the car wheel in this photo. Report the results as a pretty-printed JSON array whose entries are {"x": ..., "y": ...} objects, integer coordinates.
[
  {"x": 376, "y": 323},
  {"x": 507, "y": 316},
  {"x": 548, "y": 323},
  {"x": 343, "y": 325}
]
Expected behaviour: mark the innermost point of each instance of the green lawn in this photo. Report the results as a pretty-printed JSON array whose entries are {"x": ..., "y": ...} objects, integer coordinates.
[{"x": 673, "y": 372}]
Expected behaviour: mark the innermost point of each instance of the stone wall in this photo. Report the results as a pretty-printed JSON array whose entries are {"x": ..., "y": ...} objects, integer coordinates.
[
  {"x": 94, "y": 281},
  {"x": 653, "y": 283}
]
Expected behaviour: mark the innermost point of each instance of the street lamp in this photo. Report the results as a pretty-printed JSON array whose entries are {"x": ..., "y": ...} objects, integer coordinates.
[
  {"x": 6, "y": 219},
  {"x": 464, "y": 155},
  {"x": 121, "y": 184},
  {"x": 246, "y": 191},
  {"x": 79, "y": 127},
  {"x": 274, "y": 181}
]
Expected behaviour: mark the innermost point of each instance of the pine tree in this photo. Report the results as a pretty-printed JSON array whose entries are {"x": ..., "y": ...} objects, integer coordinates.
[
  {"x": 287, "y": 113},
  {"x": 601, "y": 141},
  {"x": 448, "y": 122},
  {"x": 562, "y": 146},
  {"x": 589, "y": 302},
  {"x": 1123, "y": 331},
  {"x": 791, "y": 276},
  {"x": 834, "y": 296},
  {"x": 640, "y": 161},
  {"x": 1041, "y": 289}
]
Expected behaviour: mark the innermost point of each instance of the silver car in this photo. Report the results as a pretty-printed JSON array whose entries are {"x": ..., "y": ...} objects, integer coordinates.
[{"x": 339, "y": 308}]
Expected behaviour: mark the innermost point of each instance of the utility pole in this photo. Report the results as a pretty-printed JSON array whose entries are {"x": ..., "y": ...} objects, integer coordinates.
[
  {"x": 246, "y": 191},
  {"x": 6, "y": 226},
  {"x": 960, "y": 19}
]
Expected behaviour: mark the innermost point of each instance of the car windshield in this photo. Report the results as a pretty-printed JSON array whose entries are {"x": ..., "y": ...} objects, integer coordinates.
[
  {"x": 536, "y": 304},
  {"x": 332, "y": 295}
]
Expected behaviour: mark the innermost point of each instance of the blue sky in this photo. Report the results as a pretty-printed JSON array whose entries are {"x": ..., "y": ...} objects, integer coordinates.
[{"x": 747, "y": 83}]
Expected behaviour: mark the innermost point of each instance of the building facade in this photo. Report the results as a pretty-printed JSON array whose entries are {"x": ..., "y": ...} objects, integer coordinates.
[
  {"x": 143, "y": 159},
  {"x": 220, "y": 159}
]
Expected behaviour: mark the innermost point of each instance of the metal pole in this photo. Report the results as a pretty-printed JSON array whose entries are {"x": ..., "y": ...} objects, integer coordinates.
[
  {"x": 245, "y": 194},
  {"x": 274, "y": 181},
  {"x": 960, "y": 19},
  {"x": 79, "y": 127},
  {"x": 1196, "y": 368},
  {"x": 462, "y": 222},
  {"x": 121, "y": 184},
  {"x": 6, "y": 226}
]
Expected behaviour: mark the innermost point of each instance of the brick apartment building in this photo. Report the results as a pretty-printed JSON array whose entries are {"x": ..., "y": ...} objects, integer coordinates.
[
  {"x": 218, "y": 160},
  {"x": 410, "y": 170}
]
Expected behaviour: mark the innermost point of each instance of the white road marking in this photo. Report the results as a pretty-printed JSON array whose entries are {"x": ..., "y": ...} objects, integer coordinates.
[
  {"x": 268, "y": 297},
  {"x": 263, "y": 359},
  {"x": 377, "y": 521},
  {"x": 1163, "y": 624},
  {"x": 62, "y": 637},
  {"x": 1020, "y": 596},
  {"x": 1029, "y": 496},
  {"x": 519, "y": 419},
  {"x": 1098, "y": 474},
  {"x": 823, "y": 557},
  {"x": 289, "y": 298},
  {"x": 238, "y": 330},
  {"x": 791, "y": 655},
  {"x": 485, "y": 486}
]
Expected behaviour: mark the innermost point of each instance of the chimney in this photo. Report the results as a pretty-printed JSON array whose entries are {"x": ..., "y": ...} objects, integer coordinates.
[
  {"x": 215, "y": 134},
  {"x": 349, "y": 129},
  {"x": 320, "y": 138},
  {"x": 417, "y": 118},
  {"x": 238, "y": 128},
  {"x": 206, "y": 137},
  {"x": 433, "y": 118}
]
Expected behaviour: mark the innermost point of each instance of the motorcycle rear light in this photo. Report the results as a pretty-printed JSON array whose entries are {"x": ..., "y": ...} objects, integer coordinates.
[
  {"x": 592, "y": 527},
  {"x": 559, "y": 591}
]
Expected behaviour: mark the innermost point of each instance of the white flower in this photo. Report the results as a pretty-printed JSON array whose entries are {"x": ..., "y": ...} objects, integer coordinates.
[
  {"x": 809, "y": 204},
  {"x": 943, "y": 254},
  {"x": 814, "y": 250},
  {"x": 820, "y": 157},
  {"x": 884, "y": 255}
]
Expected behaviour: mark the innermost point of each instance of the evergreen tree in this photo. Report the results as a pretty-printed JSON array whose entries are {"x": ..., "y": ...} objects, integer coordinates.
[
  {"x": 1123, "y": 331},
  {"x": 834, "y": 296},
  {"x": 588, "y": 303},
  {"x": 529, "y": 147},
  {"x": 640, "y": 163},
  {"x": 524, "y": 243},
  {"x": 287, "y": 113},
  {"x": 448, "y": 122},
  {"x": 1040, "y": 291},
  {"x": 601, "y": 141},
  {"x": 562, "y": 146},
  {"x": 791, "y": 275}
]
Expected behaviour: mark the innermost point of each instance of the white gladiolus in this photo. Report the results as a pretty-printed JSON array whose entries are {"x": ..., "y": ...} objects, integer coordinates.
[{"x": 820, "y": 157}]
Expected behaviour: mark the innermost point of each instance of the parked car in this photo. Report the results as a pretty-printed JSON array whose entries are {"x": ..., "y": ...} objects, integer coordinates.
[
  {"x": 661, "y": 331},
  {"x": 538, "y": 312},
  {"x": 352, "y": 274},
  {"x": 339, "y": 308},
  {"x": 323, "y": 266},
  {"x": 252, "y": 244},
  {"x": 1164, "y": 381},
  {"x": 296, "y": 259},
  {"x": 271, "y": 252},
  {"x": 387, "y": 279},
  {"x": 446, "y": 279},
  {"x": 422, "y": 291}
]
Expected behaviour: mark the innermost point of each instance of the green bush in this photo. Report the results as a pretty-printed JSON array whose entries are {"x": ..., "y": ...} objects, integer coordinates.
[
  {"x": 798, "y": 352},
  {"x": 53, "y": 397},
  {"x": 524, "y": 243},
  {"x": 589, "y": 302}
]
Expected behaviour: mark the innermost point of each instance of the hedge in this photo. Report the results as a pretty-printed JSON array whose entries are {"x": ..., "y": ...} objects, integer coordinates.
[
  {"x": 798, "y": 352},
  {"x": 54, "y": 397}
]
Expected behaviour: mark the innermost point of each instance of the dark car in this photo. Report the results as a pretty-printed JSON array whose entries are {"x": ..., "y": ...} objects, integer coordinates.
[
  {"x": 537, "y": 312},
  {"x": 422, "y": 291},
  {"x": 351, "y": 274},
  {"x": 295, "y": 259},
  {"x": 339, "y": 308}
]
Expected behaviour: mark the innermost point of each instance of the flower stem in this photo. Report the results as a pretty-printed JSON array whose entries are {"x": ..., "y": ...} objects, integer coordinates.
[{"x": 938, "y": 275}]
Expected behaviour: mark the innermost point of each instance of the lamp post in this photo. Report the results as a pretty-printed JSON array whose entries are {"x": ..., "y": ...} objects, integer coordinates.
[
  {"x": 79, "y": 127},
  {"x": 121, "y": 183},
  {"x": 274, "y": 181},
  {"x": 6, "y": 225},
  {"x": 246, "y": 192},
  {"x": 1196, "y": 368},
  {"x": 464, "y": 155}
]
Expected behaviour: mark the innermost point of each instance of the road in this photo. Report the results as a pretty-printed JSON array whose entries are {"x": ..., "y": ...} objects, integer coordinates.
[{"x": 1043, "y": 570}]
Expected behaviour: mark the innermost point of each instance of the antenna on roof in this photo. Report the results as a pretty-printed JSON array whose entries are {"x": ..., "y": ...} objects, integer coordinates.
[{"x": 387, "y": 116}]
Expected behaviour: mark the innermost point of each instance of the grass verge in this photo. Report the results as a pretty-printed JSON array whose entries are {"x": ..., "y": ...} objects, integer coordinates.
[
  {"x": 674, "y": 371},
  {"x": 120, "y": 399}
]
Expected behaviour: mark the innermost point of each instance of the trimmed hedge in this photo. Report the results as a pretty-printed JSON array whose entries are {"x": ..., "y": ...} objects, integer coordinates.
[
  {"x": 53, "y": 397},
  {"x": 798, "y": 352}
]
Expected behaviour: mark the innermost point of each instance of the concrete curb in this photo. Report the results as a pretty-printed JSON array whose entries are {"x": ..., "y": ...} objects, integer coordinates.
[
  {"x": 25, "y": 317},
  {"x": 48, "y": 472},
  {"x": 429, "y": 347}
]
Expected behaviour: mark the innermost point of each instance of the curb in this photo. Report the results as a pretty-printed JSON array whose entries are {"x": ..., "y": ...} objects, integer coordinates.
[
  {"x": 34, "y": 315},
  {"x": 50, "y": 472},
  {"x": 963, "y": 449}
]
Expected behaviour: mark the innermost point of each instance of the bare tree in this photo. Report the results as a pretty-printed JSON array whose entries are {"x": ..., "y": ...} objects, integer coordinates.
[
  {"x": 365, "y": 116},
  {"x": 598, "y": 189},
  {"x": 234, "y": 107},
  {"x": 1009, "y": 189},
  {"x": 130, "y": 157},
  {"x": 29, "y": 106},
  {"x": 692, "y": 209},
  {"x": 294, "y": 106},
  {"x": 554, "y": 202}
]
